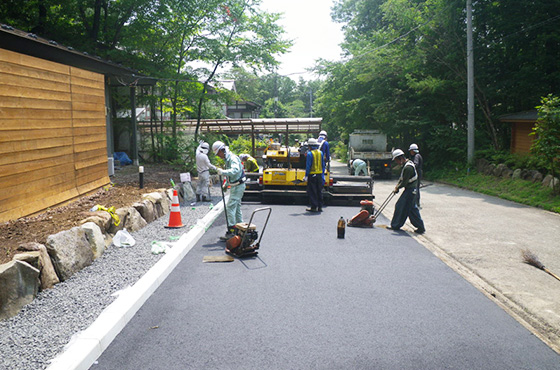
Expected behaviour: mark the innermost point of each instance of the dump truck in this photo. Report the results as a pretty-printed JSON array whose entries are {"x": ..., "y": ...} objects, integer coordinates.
[
  {"x": 281, "y": 180},
  {"x": 370, "y": 146}
]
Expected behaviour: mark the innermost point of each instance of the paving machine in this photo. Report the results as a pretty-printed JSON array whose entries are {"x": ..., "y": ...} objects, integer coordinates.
[{"x": 282, "y": 180}]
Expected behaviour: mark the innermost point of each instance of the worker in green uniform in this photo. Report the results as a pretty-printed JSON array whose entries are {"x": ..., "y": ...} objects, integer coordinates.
[
  {"x": 359, "y": 166},
  {"x": 249, "y": 162},
  {"x": 406, "y": 205}
]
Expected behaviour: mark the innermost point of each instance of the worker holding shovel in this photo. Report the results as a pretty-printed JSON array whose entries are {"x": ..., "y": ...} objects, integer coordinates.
[
  {"x": 406, "y": 205},
  {"x": 236, "y": 179}
]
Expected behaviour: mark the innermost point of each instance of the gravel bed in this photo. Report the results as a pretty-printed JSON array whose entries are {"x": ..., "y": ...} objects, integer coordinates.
[{"x": 43, "y": 328}]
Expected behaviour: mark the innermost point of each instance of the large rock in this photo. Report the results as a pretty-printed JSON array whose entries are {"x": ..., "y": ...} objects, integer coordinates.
[
  {"x": 146, "y": 210},
  {"x": 549, "y": 181},
  {"x": 499, "y": 169},
  {"x": 134, "y": 220},
  {"x": 70, "y": 251},
  {"x": 489, "y": 170},
  {"x": 161, "y": 202},
  {"x": 536, "y": 176},
  {"x": 516, "y": 175},
  {"x": 121, "y": 213},
  {"x": 47, "y": 274},
  {"x": 20, "y": 284},
  {"x": 95, "y": 238},
  {"x": 101, "y": 218}
]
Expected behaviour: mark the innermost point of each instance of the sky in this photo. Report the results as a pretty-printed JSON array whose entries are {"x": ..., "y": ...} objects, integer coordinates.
[{"x": 308, "y": 23}]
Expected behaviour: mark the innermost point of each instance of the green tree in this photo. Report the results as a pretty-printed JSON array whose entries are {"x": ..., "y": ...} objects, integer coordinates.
[{"x": 547, "y": 134}]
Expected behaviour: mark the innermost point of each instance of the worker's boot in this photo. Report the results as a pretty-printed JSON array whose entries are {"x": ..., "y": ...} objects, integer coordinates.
[
  {"x": 198, "y": 197},
  {"x": 230, "y": 233},
  {"x": 204, "y": 198}
]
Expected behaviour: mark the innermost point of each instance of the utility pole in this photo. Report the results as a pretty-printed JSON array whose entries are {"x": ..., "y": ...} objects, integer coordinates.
[
  {"x": 470, "y": 86},
  {"x": 310, "y": 103}
]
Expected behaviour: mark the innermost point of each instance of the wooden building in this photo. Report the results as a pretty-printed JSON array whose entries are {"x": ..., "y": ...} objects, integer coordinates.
[
  {"x": 522, "y": 124},
  {"x": 55, "y": 135}
]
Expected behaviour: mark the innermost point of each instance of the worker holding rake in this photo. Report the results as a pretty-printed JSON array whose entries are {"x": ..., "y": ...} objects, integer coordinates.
[{"x": 406, "y": 205}]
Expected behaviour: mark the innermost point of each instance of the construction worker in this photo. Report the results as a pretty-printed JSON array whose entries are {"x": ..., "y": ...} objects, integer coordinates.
[
  {"x": 203, "y": 167},
  {"x": 235, "y": 177},
  {"x": 359, "y": 166},
  {"x": 325, "y": 148},
  {"x": 250, "y": 164},
  {"x": 418, "y": 162},
  {"x": 406, "y": 205},
  {"x": 315, "y": 176}
]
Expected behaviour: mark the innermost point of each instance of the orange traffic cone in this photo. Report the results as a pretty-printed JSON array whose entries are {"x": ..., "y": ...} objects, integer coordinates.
[{"x": 175, "y": 215}]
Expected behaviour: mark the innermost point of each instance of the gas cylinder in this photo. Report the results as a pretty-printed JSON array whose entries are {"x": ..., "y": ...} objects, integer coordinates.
[{"x": 341, "y": 228}]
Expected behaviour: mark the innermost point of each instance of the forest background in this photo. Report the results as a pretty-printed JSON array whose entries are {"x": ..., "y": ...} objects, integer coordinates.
[{"x": 404, "y": 69}]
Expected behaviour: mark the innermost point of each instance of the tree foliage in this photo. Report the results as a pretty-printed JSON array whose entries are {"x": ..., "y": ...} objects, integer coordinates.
[
  {"x": 547, "y": 134},
  {"x": 405, "y": 70}
]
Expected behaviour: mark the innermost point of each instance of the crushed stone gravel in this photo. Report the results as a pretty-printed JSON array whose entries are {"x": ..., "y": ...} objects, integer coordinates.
[{"x": 44, "y": 327}]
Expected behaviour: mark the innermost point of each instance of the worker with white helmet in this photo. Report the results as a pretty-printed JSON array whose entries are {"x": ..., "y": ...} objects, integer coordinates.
[
  {"x": 406, "y": 206},
  {"x": 250, "y": 164},
  {"x": 235, "y": 176},
  {"x": 203, "y": 167},
  {"x": 325, "y": 147},
  {"x": 315, "y": 176},
  {"x": 359, "y": 166},
  {"x": 418, "y": 162}
]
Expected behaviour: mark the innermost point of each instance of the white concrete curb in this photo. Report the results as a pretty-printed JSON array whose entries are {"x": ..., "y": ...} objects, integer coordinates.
[{"x": 88, "y": 345}]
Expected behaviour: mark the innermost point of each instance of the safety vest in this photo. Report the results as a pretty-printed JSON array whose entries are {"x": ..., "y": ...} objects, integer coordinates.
[
  {"x": 317, "y": 164},
  {"x": 413, "y": 178}
]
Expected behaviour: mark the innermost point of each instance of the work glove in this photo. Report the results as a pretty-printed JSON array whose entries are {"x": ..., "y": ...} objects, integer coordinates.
[
  {"x": 220, "y": 171},
  {"x": 396, "y": 191},
  {"x": 304, "y": 179}
]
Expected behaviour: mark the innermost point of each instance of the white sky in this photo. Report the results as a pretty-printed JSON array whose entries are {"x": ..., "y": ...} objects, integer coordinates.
[{"x": 308, "y": 23}]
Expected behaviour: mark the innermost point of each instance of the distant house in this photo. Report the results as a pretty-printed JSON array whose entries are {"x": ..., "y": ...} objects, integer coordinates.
[
  {"x": 522, "y": 124},
  {"x": 238, "y": 108},
  {"x": 55, "y": 133},
  {"x": 243, "y": 109}
]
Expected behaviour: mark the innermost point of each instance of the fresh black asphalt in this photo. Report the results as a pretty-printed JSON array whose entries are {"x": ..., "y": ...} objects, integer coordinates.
[{"x": 374, "y": 300}]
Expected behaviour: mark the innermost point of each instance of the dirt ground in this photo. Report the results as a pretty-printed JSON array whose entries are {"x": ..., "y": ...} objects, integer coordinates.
[{"x": 124, "y": 192}]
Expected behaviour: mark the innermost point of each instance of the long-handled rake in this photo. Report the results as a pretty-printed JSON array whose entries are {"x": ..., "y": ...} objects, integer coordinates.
[{"x": 531, "y": 259}]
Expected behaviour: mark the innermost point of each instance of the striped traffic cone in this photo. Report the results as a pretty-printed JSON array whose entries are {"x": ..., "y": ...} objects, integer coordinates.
[{"x": 175, "y": 215}]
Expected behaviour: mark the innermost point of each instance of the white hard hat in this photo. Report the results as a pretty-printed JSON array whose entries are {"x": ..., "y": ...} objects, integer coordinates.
[
  {"x": 243, "y": 156},
  {"x": 204, "y": 147},
  {"x": 312, "y": 142},
  {"x": 323, "y": 133},
  {"x": 397, "y": 153},
  {"x": 413, "y": 147},
  {"x": 217, "y": 146}
]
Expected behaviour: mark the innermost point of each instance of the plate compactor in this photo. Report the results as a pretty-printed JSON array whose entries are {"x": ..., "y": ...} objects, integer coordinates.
[
  {"x": 367, "y": 217},
  {"x": 246, "y": 240}
]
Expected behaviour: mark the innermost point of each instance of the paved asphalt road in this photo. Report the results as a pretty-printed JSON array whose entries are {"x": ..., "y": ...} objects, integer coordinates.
[{"x": 374, "y": 300}]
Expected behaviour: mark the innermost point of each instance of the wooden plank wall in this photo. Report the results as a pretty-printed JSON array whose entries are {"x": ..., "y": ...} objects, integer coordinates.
[
  {"x": 53, "y": 144},
  {"x": 520, "y": 140}
]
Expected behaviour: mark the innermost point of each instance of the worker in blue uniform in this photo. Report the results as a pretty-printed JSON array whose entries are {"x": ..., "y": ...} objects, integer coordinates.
[
  {"x": 406, "y": 205},
  {"x": 315, "y": 176},
  {"x": 235, "y": 176},
  {"x": 325, "y": 148}
]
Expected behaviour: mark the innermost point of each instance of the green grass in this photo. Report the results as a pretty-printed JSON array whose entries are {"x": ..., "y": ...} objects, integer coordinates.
[{"x": 519, "y": 191}]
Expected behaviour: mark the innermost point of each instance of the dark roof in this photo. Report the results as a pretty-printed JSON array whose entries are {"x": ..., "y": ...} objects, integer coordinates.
[
  {"x": 252, "y": 125},
  {"x": 526, "y": 116},
  {"x": 30, "y": 44}
]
